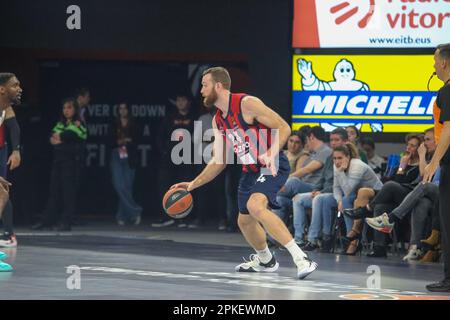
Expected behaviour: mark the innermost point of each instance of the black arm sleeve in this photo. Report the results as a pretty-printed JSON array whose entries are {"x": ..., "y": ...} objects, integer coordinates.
[
  {"x": 444, "y": 103},
  {"x": 14, "y": 132}
]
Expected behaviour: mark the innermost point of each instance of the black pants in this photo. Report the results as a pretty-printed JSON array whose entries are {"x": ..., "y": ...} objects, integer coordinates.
[
  {"x": 7, "y": 218},
  {"x": 63, "y": 192},
  {"x": 386, "y": 200},
  {"x": 435, "y": 219},
  {"x": 391, "y": 193},
  {"x": 444, "y": 214}
]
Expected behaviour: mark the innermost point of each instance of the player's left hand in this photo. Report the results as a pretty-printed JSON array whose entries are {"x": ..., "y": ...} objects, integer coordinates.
[
  {"x": 14, "y": 160},
  {"x": 269, "y": 162}
]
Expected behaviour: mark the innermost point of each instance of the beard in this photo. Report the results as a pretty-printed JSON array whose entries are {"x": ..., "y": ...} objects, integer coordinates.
[
  {"x": 210, "y": 100},
  {"x": 14, "y": 100}
]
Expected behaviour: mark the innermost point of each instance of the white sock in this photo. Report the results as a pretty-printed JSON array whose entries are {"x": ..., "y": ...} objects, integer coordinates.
[
  {"x": 264, "y": 255},
  {"x": 294, "y": 250}
]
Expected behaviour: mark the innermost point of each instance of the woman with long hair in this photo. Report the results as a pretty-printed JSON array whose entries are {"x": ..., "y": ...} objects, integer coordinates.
[
  {"x": 67, "y": 139},
  {"x": 351, "y": 177},
  {"x": 123, "y": 165}
]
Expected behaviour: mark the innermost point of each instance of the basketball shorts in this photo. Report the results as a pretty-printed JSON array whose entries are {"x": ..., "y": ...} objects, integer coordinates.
[{"x": 256, "y": 182}]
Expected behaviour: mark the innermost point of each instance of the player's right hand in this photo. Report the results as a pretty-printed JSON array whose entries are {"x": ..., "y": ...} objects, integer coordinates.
[{"x": 189, "y": 186}]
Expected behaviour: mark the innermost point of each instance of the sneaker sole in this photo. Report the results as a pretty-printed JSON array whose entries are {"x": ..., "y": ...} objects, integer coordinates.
[
  {"x": 272, "y": 269},
  {"x": 8, "y": 246},
  {"x": 4, "y": 267},
  {"x": 302, "y": 275},
  {"x": 381, "y": 229}
]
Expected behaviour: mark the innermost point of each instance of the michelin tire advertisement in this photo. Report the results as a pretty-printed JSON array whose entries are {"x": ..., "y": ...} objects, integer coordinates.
[{"x": 377, "y": 93}]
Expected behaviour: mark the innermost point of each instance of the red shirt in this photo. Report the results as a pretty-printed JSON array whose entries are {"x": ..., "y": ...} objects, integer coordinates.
[{"x": 245, "y": 138}]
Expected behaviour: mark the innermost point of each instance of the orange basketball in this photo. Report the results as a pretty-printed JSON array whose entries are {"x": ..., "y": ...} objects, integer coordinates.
[{"x": 177, "y": 203}]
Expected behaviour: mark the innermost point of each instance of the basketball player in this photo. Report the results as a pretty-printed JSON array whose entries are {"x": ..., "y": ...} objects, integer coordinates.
[
  {"x": 10, "y": 94},
  {"x": 236, "y": 114}
]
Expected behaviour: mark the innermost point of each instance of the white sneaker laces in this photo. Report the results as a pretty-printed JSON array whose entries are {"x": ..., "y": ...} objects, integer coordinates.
[{"x": 254, "y": 260}]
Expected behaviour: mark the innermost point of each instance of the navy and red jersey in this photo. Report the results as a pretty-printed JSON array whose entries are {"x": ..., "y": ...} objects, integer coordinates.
[
  {"x": 248, "y": 140},
  {"x": 2, "y": 135}
]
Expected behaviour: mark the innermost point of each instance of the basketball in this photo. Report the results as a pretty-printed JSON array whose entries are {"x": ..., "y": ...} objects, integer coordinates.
[{"x": 177, "y": 203}]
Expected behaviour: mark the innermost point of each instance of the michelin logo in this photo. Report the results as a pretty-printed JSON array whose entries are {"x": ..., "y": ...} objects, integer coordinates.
[
  {"x": 347, "y": 99},
  {"x": 383, "y": 104},
  {"x": 344, "y": 80}
]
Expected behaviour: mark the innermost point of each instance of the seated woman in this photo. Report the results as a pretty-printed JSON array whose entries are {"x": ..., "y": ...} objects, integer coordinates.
[
  {"x": 393, "y": 192},
  {"x": 296, "y": 152},
  {"x": 351, "y": 174},
  {"x": 419, "y": 202}
]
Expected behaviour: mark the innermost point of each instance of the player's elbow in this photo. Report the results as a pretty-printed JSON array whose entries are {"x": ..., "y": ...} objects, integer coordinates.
[{"x": 286, "y": 128}]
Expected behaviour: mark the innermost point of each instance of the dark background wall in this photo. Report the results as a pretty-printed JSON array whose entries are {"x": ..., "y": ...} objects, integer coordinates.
[
  {"x": 255, "y": 30},
  {"x": 256, "y": 33}
]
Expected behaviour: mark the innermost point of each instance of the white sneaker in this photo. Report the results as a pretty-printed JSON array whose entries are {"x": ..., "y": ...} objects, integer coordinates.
[
  {"x": 305, "y": 267},
  {"x": 163, "y": 224},
  {"x": 182, "y": 225},
  {"x": 255, "y": 265},
  {"x": 413, "y": 254},
  {"x": 8, "y": 241},
  {"x": 137, "y": 221}
]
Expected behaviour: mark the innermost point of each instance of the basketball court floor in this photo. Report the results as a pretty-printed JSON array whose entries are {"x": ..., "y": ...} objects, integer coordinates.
[{"x": 173, "y": 264}]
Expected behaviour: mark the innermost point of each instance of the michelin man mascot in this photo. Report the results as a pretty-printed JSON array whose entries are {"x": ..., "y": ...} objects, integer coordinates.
[{"x": 344, "y": 80}]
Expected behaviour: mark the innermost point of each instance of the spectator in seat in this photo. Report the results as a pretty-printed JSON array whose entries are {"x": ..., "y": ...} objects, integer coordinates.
[
  {"x": 374, "y": 160},
  {"x": 304, "y": 178},
  {"x": 351, "y": 176},
  {"x": 393, "y": 192},
  {"x": 322, "y": 203}
]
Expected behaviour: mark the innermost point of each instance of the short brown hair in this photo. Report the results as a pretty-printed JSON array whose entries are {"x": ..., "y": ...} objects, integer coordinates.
[
  {"x": 221, "y": 75},
  {"x": 444, "y": 51},
  {"x": 416, "y": 136}
]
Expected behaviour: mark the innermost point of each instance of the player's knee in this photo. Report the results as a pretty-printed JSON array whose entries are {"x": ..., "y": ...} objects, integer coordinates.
[
  {"x": 244, "y": 220},
  {"x": 256, "y": 206}
]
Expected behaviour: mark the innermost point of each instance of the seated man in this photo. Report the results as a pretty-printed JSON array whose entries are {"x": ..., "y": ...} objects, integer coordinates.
[
  {"x": 374, "y": 160},
  {"x": 304, "y": 178},
  {"x": 322, "y": 202}
]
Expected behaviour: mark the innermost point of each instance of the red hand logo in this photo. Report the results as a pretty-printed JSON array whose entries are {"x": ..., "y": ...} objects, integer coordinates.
[{"x": 346, "y": 15}]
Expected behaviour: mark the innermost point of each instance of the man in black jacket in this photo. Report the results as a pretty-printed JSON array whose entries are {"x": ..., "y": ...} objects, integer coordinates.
[{"x": 441, "y": 157}]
